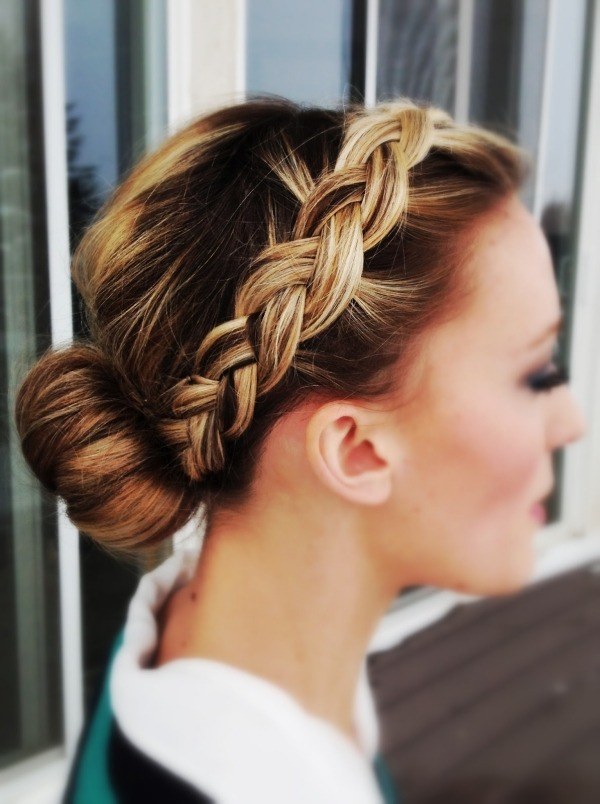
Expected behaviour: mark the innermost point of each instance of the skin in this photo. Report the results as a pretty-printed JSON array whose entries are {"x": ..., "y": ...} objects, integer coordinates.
[{"x": 355, "y": 501}]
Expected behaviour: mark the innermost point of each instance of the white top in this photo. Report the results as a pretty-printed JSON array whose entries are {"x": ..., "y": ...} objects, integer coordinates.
[{"x": 234, "y": 735}]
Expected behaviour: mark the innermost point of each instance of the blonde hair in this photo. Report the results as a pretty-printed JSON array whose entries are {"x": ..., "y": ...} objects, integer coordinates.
[{"x": 263, "y": 255}]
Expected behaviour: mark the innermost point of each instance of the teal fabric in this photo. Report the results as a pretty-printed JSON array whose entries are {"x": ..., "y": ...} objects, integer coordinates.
[
  {"x": 384, "y": 779},
  {"x": 92, "y": 782}
]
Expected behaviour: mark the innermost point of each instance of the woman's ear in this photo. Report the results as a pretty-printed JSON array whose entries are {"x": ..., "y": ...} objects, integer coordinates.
[{"x": 349, "y": 449}]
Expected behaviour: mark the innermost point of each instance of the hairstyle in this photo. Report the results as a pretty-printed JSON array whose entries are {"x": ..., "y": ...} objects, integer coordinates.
[{"x": 264, "y": 255}]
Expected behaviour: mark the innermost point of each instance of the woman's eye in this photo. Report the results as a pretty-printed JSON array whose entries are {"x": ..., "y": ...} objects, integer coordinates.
[{"x": 547, "y": 379}]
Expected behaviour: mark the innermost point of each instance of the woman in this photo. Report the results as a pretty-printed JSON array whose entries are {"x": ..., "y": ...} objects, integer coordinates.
[{"x": 334, "y": 330}]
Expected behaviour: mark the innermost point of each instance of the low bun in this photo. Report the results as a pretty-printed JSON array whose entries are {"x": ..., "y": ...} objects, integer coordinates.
[{"x": 89, "y": 445}]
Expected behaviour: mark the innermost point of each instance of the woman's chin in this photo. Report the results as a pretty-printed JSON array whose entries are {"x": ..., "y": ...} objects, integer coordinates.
[
  {"x": 514, "y": 580},
  {"x": 503, "y": 579}
]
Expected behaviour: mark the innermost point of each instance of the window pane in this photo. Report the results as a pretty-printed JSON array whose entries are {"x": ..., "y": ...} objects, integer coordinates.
[
  {"x": 300, "y": 50},
  {"x": 507, "y": 71},
  {"x": 417, "y": 50},
  {"x": 116, "y": 79},
  {"x": 30, "y": 709}
]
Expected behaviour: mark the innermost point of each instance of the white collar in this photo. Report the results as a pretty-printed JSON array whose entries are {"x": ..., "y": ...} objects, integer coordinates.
[{"x": 233, "y": 735}]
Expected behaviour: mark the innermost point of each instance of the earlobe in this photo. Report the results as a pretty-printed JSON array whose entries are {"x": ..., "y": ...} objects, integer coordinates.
[{"x": 345, "y": 454}]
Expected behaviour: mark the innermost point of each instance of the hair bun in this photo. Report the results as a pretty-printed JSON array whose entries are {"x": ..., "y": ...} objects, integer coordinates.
[{"x": 85, "y": 443}]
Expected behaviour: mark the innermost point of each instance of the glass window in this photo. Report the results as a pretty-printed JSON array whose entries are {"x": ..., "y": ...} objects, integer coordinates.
[
  {"x": 116, "y": 110},
  {"x": 30, "y": 684},
  {"x": 302, "y": 51},
  {"x": 417, "y": 50}
]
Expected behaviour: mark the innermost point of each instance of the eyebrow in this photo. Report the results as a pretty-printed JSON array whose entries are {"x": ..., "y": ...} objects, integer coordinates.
[{"x": 555, "y": 327}]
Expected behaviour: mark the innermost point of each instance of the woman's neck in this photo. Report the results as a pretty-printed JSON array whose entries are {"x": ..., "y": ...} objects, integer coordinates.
[{"x": 286, "y": 600}]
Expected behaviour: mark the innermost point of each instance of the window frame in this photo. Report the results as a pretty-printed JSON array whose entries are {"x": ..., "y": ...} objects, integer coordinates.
[
  {"x": 47, "y": 770},
  {"x": 568, "y": 543}
]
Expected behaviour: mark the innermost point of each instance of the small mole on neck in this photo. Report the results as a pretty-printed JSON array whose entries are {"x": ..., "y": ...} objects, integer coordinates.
[{"x": 193, "y": 596}]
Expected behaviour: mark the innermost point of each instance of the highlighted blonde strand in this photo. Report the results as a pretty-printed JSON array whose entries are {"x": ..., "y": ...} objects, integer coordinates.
[
  {"x": 264, "y": 255},
  {"x": 302, "y": 286}
]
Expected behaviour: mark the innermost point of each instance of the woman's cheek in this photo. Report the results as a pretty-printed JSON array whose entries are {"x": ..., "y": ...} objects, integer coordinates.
[{"x": 519, "y": 450}]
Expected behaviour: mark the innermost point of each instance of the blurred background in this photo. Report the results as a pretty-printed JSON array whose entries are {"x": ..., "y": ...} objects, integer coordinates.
[{"x": 88, "y": 86}]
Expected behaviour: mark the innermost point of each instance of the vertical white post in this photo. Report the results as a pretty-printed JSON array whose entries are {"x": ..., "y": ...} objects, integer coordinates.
[
  {"x": 241, "y": 16},
  {"x": 542, "y": 148},
  {"x": 206, "y": 56},
  {"x": 582, "y": 460},
  {"x": 371, "y": 48},
  {"x": 462, "y": 92},
  {"x": 179, "y": 58},
  {"x": 55, "y": 145}
]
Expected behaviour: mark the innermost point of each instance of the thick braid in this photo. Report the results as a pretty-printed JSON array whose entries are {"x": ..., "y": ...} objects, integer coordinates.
[
  {"x": 197, "y": 431},
  {"x": 297, "y": 289}
]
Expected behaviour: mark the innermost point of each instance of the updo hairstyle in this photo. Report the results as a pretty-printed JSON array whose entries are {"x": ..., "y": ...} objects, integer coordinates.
[{"x": 264, "y": 255}]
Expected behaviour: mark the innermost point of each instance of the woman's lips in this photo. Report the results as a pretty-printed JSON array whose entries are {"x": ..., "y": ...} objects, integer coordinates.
[{"x": 538, "y": 512}]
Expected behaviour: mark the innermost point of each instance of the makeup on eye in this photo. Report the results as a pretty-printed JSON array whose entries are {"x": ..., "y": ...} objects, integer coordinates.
[
  {"x": 546, "y": 381},
  {"x": 550, "y": 375}
]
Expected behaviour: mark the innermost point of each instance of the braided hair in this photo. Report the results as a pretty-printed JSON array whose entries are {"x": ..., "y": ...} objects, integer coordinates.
[{"x": 264, "y": 255}]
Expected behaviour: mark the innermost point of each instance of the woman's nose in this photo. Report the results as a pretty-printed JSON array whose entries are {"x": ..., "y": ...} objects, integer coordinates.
[{"x": 568, "y": 423}]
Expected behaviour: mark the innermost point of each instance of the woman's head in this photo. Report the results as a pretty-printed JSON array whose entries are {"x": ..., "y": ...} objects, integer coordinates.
[
  {"x": 266, "y": 256},
  {"x": 473, "y": 445}
]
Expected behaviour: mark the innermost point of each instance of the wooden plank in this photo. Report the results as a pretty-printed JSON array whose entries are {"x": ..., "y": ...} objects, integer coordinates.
[
  {"x": 460, "y": 685},
  {"x": 496, "y": 703},
  {"x": 512, "y": 731},
  {"x": 417, "y": 653},
  {"x": 465, "y": 615}
]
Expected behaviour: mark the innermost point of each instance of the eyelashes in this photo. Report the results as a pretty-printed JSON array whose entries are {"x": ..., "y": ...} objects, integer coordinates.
[{"x": 547, "y": 380}]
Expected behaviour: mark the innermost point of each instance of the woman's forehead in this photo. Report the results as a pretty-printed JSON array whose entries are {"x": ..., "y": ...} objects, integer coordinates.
[{"x": 515, "y": 298}]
